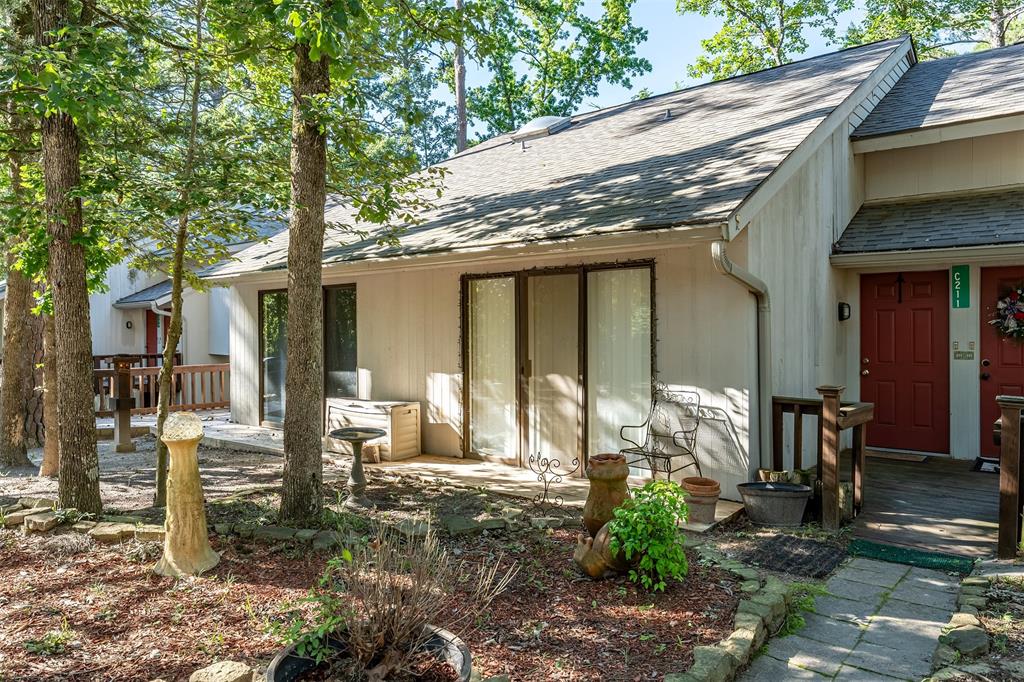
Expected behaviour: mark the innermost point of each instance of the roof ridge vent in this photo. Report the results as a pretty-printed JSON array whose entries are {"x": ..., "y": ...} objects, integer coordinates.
[{"x": 542, "y": 126}]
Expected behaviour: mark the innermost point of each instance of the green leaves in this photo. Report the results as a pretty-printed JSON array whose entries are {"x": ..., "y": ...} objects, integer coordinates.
[
  {"x": 646, "y": 530},
  {"x": 758, "y": 34}
]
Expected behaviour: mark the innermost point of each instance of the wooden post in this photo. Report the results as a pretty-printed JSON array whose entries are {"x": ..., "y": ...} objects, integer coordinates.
[
  {"x": 1009, "y": 475},
  {"x": 829, "y": 465},
  {"x": 777, "y": 464},
  {"x": 859, "y": 459},
  {"x": 123, "y": 402},
  {"x": 187, "y": 548}
]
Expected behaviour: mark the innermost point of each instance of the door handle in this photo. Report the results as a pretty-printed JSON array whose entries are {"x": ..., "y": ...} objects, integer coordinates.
[
  {"x": 864, "y": 372},
  {"x": 985, "y": 376}
]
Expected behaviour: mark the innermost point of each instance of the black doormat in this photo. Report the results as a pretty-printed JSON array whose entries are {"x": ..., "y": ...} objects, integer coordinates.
[
  {"x": 987, "y": 465},
  {"x": 798, "y": 556}
]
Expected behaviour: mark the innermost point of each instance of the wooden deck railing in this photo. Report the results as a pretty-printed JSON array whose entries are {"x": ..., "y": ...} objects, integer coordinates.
[
  {"x": 833, "y": 417},
  {"x": 193, "y": 387},
  {"x": 1007, "y": 434}
]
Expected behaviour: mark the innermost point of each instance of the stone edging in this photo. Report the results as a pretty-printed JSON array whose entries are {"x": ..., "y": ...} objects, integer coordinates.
[
  {"x": 761, "y": 610},
  {"x": 964, "y": 635}
]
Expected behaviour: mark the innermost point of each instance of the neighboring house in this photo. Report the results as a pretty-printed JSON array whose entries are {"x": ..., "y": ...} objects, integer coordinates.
[
  {"x": 566, "y": 269},
  {"x": 133, "y": 314}
]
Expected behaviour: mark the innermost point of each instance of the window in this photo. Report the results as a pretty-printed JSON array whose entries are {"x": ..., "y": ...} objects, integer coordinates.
[
  {"x": 340, "y": 342},
  {"x": 339, "y": 347}
]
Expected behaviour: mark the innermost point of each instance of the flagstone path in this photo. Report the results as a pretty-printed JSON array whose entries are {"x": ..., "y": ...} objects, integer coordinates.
[{"x": 880, "y": 621}]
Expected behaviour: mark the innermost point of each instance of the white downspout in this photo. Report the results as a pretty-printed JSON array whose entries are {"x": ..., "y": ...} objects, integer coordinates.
[
  {"x": 759, "y": 289},
  {"x": 164, "y": 313}
]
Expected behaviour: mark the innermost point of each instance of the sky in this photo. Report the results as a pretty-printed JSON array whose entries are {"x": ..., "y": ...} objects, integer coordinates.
[{"x": 673, "y": 42}]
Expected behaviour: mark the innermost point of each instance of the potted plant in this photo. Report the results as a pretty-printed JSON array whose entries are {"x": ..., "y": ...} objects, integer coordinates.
[
  {"x": 645, "y": 533},
  {"x": 391, "y": 607}
]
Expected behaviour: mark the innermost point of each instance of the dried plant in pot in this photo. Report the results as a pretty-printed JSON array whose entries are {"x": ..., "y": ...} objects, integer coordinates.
[{"x": 393, "y": 609}]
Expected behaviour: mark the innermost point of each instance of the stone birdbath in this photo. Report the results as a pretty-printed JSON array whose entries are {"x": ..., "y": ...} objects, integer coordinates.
[
  {"x": 187, "y": 548},
  {"x": 356, "y": 436}
]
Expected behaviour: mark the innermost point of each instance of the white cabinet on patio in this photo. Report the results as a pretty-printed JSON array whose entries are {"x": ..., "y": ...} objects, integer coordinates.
[{"x": 401, "y": 421}]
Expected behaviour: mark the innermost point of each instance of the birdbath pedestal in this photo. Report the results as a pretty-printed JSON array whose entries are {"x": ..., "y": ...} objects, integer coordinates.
[{"x": 357, "y": 435}]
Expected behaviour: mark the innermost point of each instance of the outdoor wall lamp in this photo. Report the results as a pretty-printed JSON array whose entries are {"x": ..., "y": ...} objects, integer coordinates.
[{"x": 844, "y": 311}]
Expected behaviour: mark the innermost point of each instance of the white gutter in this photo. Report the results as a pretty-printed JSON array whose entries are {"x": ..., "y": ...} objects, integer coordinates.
[
  {"x": 759, "y": 289},
  {"x": 995, "y": 254}
]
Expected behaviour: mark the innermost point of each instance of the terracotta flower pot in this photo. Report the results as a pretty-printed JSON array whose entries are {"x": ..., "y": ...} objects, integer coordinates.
[
  {"x": 701, "y": 498},
  {"x": 608, "y": 490}
]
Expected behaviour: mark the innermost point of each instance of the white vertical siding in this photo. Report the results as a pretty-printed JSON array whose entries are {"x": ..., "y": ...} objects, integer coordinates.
[{"x": 409, "y": 346}]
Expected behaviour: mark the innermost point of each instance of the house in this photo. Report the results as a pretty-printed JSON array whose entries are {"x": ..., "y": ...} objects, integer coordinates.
[
  {"x": 132, "y": 314},
  {"x": 712, "y": 240}
]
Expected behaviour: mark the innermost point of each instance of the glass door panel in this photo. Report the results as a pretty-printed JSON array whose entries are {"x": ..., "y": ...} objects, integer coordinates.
[
  {"x": 552, "y": 366},
  {"x": 492, "y": 367},
  {"x": 340, "y": 369},
  {"x": 618, "y": 354}
]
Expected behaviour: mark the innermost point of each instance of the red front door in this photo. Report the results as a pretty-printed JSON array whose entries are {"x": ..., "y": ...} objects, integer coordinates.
[
  {"x": 904, "y": 365},
  {"x": 1002, "y": 359}
]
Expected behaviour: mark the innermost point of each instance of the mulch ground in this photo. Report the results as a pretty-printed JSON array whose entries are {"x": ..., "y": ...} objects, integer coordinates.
[{"x": 101, "y": 614}]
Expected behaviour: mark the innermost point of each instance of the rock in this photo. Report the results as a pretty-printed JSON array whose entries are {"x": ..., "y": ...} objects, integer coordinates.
[
  {"x": 750, "y": 586},
  {"x": 274, "y": 533},
  {"x": 712, "y": 664},
  {"x": 223, "y": 671},
  {"x": 750, "y": 622},
  {"x": 37, "y": 502},
  {"x": 326, "y": 539},
  {"x": 739, "y": 645},
  {"x": 110, "y": 533},
  {"x": 17, "y": 518},
  {"x": 944, "y": 655},
  {"x": 245, "y": 530},
  {"x": 149, "y": 533},
  {"x": 973, "y": 610},
  {"x": 512, "y": 513},
  {"x": 969, "y": 640},
  {"x": 945, "y": 674},
  {"x": 976, "y": 581},
  {"x": 775, "y": 602},
  {"x": 546, "y": 522},
  {"x": 976, "y": 601},
  {"x": 8, "y": 508},
  {"x": 497, "y": 678},
  {"x": 123, "y": 518},
  {"x": 305, "y": 534},
  {"x": 83, "y": 526},
  {"x": 973, "y": 589},
  {"x": 41, "y": 523},
  {"x": 745, "y": 573},
  {"x": 757, "y": 609},
  {"x": 412, "y": 528},
  {"x": 961, "y": 618},
  {"x": 222, "y": 528}
]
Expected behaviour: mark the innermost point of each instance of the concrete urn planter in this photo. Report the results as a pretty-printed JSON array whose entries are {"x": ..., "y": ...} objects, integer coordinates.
[{"x": 607, "y": 474}]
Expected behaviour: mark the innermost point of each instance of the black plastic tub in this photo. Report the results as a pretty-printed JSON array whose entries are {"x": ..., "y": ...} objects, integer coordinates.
[
  {"x": 774, "y": 504},
  {"x": 288, "y": 666}
]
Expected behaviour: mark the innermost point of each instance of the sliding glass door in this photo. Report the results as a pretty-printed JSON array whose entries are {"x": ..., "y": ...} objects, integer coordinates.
[
  {"x": 273, "y": 353},
  {"x": 491, "y": 354},
  {"x": 556, "y": 361},
  {"x": 552, "y": 368}
]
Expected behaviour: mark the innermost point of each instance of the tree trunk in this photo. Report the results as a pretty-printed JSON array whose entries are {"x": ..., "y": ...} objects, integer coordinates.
[
  {"x": 35, "y": 420},
  {"x": 461, "y": 122},
  {"x": 178, "y": 263},
  {"x": 16, "y": 373},
  {"x": 51, "y": 447},
  {"x": 997, "y": 24},
  {"x": 302, "y": 490},
  {"x": 78, "y": 483}
]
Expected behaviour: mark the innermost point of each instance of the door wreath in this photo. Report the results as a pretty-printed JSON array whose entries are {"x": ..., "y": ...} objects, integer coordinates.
[{"x": 1009, "y": 316}]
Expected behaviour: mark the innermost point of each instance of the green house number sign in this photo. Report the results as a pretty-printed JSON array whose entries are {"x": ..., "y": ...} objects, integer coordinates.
[{"x": 961, "y": 286}]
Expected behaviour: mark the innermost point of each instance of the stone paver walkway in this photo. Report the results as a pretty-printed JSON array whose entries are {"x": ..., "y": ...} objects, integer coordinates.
[{"x": 880, "y": 621}]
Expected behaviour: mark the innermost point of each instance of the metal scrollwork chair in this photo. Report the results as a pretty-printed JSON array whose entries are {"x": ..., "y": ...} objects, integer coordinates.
[{"x": 668, "y": 441}]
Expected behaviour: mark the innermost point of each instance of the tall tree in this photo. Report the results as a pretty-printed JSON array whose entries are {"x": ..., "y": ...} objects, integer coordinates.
[
  {"x": 461, "y": 113},
  {"x": 759, "y": 34},
  {"x": 78, "y": 483},
  {"x": 17, "y": 375},
  {"x": 544, "y": 57},
  {"x": 935, "y": 25}
]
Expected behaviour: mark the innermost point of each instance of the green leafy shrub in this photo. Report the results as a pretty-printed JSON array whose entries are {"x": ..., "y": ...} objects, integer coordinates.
[{"x": 646, "y": 530}]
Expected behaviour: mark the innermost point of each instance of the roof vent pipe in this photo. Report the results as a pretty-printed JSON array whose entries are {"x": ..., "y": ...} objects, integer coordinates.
[{"x": 759, "y": 289}]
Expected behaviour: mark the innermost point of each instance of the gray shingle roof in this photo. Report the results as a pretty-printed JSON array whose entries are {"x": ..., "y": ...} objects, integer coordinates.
[
  {"x": 967, "y": 87},
  {"x": 975, "y": 220},
  {"x": 143, "y": 297},
  {"x": 688, "y": 157}
]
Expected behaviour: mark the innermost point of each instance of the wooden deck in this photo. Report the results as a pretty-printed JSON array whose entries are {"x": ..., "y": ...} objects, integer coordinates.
[{"x": 937, "y": 505}]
